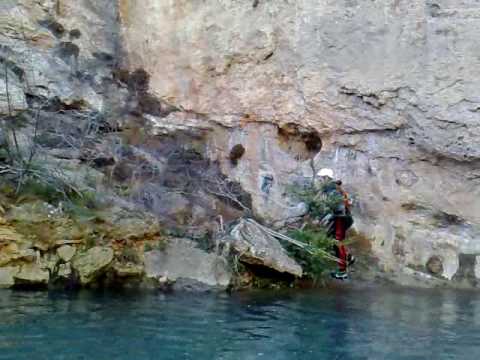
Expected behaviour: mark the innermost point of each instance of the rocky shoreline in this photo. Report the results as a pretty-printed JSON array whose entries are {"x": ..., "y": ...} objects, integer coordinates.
[{"x": 141, "y": 129}]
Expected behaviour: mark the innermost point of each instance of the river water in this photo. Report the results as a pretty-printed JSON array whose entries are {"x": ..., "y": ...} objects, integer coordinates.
[{"x": 328, "y": 324}]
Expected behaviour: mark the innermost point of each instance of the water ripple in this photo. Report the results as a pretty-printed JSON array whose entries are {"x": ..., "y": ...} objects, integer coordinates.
[{"x": 393, "y": 324}]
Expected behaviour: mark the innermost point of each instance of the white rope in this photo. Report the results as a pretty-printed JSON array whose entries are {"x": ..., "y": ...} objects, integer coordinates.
[{"x": 297, "y": 243}]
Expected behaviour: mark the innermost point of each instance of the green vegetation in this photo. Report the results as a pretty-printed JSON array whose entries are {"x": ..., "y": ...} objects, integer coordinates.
[
  {"x": 314, "y": 263},
  {"x": 318, "y": 202},
  {"x": 32, "y": 189}
]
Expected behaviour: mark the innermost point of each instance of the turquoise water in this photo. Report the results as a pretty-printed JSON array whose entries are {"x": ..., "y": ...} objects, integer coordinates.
[{"x": 327, "y": 324}]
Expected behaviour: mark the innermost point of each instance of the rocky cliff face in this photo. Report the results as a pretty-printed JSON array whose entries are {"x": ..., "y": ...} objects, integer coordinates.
[{"x": 384, "y": 93}]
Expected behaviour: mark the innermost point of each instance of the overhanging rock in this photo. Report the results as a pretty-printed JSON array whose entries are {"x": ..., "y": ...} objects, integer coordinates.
[{"x": 256, "y": 247}]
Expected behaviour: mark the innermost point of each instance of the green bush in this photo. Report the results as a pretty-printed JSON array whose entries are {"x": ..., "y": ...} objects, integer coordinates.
[
  {"x": 319, "y": 202},
  {"x": 314, "y": 264}
]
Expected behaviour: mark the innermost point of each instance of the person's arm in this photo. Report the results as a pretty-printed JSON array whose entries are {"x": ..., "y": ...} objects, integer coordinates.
[{"x": 346, "y": 200}]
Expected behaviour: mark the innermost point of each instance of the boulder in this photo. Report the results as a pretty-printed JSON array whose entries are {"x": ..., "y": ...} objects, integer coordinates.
[
  {"x": 32, "y": 274},
  {"x": 256, "y": 247},
  {"x": 182, "y": 260},
  {"x": 66, "y": 252},
  {"x": 7, "y": 275},
  {"x": 92, "y": 263}
]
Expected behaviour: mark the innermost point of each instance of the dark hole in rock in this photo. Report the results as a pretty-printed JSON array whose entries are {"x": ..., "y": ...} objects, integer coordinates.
[
  {"x": 139, "y": 80},
  {"x": 121, "y": 75},
  {"x": 265, "y": 277},
  {"x": 103, "y": 161},
  {"x": 149, "y": 104},
  {"x": 122, "y": 171},
  {"x": 303, "y": 143},
  {"x": 268, "y": 56},
  {"x": 443, "y": 219},
  {"x": 56, "y": 105},
  {"x": 255, "y": 3},
  {"x": 103, "y": 56},
  {"x": 67, "y": 49},
  {"x": 312, "y": 142},
  {"x": 75, "y": 34},
  {"x": 55, "y": 27},
  {"x": 236, "y": 153},
  {"x": 435, "y": 265}
]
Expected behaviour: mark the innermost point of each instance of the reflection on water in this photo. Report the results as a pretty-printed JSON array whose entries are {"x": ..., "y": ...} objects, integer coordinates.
[{"x": 366, "y": 324}]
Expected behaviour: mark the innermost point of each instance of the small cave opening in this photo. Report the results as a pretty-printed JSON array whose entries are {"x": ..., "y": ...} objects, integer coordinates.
[
  {"x": 236, "y": 154},
  {"x": 265, "y": 277},
  {"x": 304, "y": 143}
]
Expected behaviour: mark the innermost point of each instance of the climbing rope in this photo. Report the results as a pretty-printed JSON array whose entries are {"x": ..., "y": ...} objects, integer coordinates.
[{"x": 308, "y": 248}]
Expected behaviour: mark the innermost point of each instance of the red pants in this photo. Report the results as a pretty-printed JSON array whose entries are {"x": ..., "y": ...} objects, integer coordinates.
[{"x": 340, "y": 236}]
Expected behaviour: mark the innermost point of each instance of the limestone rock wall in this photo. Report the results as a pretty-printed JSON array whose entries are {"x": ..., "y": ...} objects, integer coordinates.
[
  {"x": 57, "y": 49},
  {"x": 390, "y": 87},
  {"x": 384, "y": 92}
]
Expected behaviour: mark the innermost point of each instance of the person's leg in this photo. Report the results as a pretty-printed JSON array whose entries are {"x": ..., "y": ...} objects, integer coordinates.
[
  {"x": 342, "y": 266},
  {"x": 342, "y": 250}
]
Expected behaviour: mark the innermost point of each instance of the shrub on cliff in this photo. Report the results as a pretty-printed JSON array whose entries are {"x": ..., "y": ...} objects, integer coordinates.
[
  {"x": 318, "y": 201},
  {"x": 314, "y": 263},
  {"x": 322, "y": 201}
]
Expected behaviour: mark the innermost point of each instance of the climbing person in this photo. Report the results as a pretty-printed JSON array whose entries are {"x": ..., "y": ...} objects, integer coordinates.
[
  {"x": 338, "y": 220},
  {"x": 342, "y": 221}
]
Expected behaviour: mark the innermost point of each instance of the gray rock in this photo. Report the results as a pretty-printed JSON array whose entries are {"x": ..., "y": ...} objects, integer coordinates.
[
  {"x": 183, "y": 260},
  {"x": 390, "y": 87},
  {"x": 259, "y": 248}
]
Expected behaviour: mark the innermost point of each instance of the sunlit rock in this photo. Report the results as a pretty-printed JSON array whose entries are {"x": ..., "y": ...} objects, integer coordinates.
[{"x": 92, "y": 263}]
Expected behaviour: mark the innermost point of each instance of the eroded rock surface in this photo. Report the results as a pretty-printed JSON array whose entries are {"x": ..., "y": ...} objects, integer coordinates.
[
  {"x": 32, "y": 275},
  {"x": 255, "y": 247},
  {"x": 183, "y": 260},
  {"x": 383, "y": 92},
  {"x": 92, "y": 263},
  {"x": 389, "y": 86}
]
